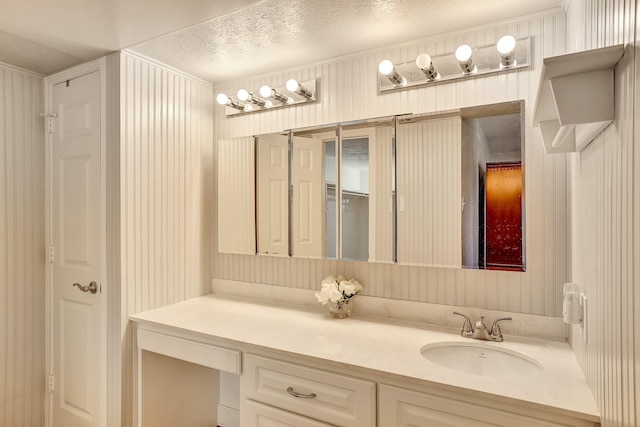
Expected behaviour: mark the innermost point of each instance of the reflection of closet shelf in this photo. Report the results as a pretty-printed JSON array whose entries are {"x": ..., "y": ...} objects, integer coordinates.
[
  {"x": 354, "y": 193},
  {"x": 576, "y": 98},
  {"x": 332, "y": 186}
]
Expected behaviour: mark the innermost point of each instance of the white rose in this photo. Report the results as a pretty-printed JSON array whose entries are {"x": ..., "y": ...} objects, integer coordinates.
[
  {"x": 348, "y": 288},
  {"x": 335, "y": 295},
  {"x": 357, "y": 285},
  {"x": 328, "y": 280},
  {"x": 323, "y": 297},
  {"x": 328, "y": 287}
]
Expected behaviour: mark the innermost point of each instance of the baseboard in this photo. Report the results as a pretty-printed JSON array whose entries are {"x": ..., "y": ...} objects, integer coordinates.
[{"x": 228, "y": 417}]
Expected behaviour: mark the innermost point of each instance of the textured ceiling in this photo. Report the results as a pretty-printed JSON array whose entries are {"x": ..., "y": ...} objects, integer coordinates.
[
  {"x": 47, "y": 36},
  {"x": 222, "y": 40},
  {"x": 277, "y": 34}
]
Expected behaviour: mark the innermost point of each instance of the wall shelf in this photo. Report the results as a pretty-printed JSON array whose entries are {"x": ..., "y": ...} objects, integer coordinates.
[{"x": 575, "y": 99}]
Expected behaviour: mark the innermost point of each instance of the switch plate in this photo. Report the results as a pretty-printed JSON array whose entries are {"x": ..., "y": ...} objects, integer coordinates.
[{"x": 584, "y": 302}]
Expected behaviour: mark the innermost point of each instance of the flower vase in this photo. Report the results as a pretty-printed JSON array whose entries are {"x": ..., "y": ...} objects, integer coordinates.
[{"x": 341, "y": 310}]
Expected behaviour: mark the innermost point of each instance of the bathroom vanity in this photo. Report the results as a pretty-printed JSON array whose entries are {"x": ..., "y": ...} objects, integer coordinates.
[{"x": 299, "y": 367}]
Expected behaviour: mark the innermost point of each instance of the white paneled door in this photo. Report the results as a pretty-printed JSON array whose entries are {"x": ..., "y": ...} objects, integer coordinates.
[
  {"x": 308, "y": 195},
  {"x": 273, "y": 194},
  {"x": 78, "y": 336}
]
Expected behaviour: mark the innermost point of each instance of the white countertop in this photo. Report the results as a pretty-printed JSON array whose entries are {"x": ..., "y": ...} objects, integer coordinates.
[{"x": 385, "y": 347}]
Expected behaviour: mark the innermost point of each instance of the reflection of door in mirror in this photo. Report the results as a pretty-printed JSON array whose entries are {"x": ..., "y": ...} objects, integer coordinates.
[
  {"x": 354, "y": 191},
  {"x": 308, "y": 196},
  {"x": 366, "y": 191},
  {"x": 503, "y": 211},
  {"x": 331, "y": 215},
  {"x": 236, "y": 196},
  {"x": 428, "y": 156},
  {"x": 492, "y": 135},
  {"x": 272, "y": 195}
]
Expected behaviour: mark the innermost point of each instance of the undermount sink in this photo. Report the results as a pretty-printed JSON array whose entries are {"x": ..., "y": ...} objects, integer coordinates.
[{"x": 479, "y": 359}]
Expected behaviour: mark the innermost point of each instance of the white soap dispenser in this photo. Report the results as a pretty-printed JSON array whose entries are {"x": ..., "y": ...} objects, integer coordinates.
[{"x": 571, "y": 308}]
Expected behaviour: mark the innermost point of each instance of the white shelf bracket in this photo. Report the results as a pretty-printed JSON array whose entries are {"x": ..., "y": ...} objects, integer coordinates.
[{"x": 576, "y": 98}]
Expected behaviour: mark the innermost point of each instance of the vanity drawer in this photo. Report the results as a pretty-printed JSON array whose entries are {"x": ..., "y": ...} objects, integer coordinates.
[
  {"x": 256, "y": 414},
  {"x": 335, "y": 399},
  {"x": 212, "y": 356}
]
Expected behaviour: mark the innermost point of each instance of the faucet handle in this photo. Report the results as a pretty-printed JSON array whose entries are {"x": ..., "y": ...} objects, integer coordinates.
[
  {"x": 480, "y": 323},
  {"x": 495, "y": 328},
  {"x": 467, "y": 329}
]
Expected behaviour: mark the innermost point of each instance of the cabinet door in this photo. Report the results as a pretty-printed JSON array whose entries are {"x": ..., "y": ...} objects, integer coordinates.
[
  {"x": 399, "y": 407},
  {"x": 254, "y": 414}
]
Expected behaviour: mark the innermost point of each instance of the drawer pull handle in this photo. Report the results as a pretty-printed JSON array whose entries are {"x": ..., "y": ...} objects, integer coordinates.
[{"x": 294, "y": 393}]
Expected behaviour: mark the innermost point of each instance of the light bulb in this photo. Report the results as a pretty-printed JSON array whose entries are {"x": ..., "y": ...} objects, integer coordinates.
[
  {"x": 265, "y": 91},
  {"x": 292, "y": 85},
  {"x": 222, "y": 99},
  {"x": 243, "y": 95},
  {"x": 463, "y": 53},
  {"x": 423, "y": 61},
  {"x": 385, "y": 67},
  {"x": 506, "y": 45}
]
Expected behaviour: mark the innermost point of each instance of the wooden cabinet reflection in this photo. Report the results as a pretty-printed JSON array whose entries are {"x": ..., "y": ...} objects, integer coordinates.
[{"x": 503, "y": 222}]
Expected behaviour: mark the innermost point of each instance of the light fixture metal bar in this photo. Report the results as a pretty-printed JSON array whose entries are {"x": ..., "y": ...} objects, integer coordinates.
[
  {"x": 296, "y": 99},
  {"x": 486, "y": 59}
]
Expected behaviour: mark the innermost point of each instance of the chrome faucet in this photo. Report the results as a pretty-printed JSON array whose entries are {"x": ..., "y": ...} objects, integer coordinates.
[{"x": 481, "y": 332}]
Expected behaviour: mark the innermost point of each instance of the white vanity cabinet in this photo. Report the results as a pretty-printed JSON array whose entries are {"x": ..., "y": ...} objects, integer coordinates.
[
  {"x": 317, "y": 371},
  {"x": 316, "y": 394},
  {"x": 400, "y": 407}
]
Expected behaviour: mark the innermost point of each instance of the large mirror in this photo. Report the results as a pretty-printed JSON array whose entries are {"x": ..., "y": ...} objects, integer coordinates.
[
  {"x": 442, "y": 190},
  {"x": 460, "y": 188},
  {"x": 493, "y": 220}
]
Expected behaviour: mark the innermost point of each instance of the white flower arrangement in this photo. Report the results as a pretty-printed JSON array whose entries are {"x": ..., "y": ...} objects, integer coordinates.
[{"x": 338, "y": 290}]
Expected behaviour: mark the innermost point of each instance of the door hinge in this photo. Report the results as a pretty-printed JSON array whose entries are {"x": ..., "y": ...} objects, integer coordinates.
[
  {"x": 51, "y": 254},
  {"x": 51, "y": 384},
  {"x": 49, "y": 118}
]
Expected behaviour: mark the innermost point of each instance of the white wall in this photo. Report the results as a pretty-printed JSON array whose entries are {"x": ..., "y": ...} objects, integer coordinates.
[
  {"x": 22, "y": 284},
  {"x": 606, "y": 216},
  {"x": 348, "y": 91},
  {"x": 165, "y": 174}
]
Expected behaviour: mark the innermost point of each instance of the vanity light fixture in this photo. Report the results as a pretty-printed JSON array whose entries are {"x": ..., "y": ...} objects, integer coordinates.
[
  {"x": 294, "y": 86},
  {"x": 464, "y": 55},
  {"x": 387, "y": 69},
  {"x": 223, "y": 99},
  {"x": 423, "y": 61},
  {"x": 247, "y": 101},
  {"x": 267, "y": 91},
  {"x": 507, "y": 55},
  {"x": 246, "y": 96},
  {"x": 507, "y": 48}
]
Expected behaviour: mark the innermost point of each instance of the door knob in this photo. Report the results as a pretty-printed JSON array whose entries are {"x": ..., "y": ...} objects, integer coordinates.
[{"x": 93, "y": 287}]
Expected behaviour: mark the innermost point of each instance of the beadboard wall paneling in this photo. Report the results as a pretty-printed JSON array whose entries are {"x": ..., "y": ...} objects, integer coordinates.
[
  {"x": 165, "y": 193},
  {"x": 606, "y": 222},
  {"x": 22, "y": 283},
  {"x": 347, "y": 91},
  {"x": 236, "y": 182}
]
